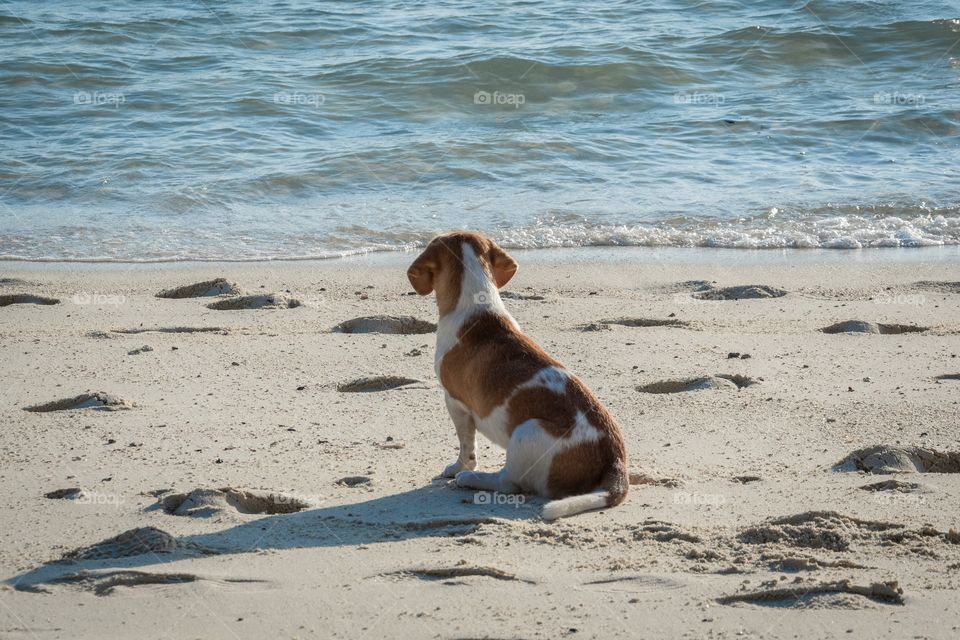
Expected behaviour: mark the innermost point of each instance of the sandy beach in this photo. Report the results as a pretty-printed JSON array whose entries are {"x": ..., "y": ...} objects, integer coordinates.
[{"x": 271, "y": 471}]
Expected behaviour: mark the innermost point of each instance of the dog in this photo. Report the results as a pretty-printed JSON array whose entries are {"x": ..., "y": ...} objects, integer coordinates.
[{"x": 561, "y": 442}]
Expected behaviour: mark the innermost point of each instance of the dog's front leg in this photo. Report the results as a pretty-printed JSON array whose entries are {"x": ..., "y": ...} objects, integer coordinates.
[{"x": 467, "y": 433}]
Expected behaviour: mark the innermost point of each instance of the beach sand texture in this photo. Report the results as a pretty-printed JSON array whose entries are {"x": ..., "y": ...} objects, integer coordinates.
[{"x": 254, "y": 454}]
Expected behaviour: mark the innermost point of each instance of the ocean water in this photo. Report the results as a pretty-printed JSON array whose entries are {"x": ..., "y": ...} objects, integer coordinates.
[{"x": 211, "y": 130}]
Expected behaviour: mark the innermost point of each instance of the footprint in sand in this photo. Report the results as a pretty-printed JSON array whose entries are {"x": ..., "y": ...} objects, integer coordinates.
[
  {"x": 894, "y": 486},
  {"x": 822, "y": 595},
  {"x": 70, "y": 493},
  {"x": 835, "y": 532},
  {"x": 8, "y": 299},
  {"x": 863, "y": 326},
  {"x": 104, "y": 583},
  {"x": 640, "y": 322},
  {"x": 513, "y": 295},
  {"x": 719, "y": 381},
  {"x": 687, "y": 286},
  {"x": 938, "y": 285},
  {"x": 403, "y": 325},
  {"x": 890, "y": 458},
  {"x": 100, "y": 401},
  {"x": 203, "y": 503},
  {"x": 139, "y": 350},
  {"x": 379, "y": 383},
  {"x": 131, "y": 543},
  {"x": 594, "y": 326},
  {"x": 662, "y": 532},
  {"x": 743, "y": 292},
  {"x": 454, "y": 573},
  {"x": 791, "y": 562},
  {"x": 208, "y": 288},
  {"x": 265, "y": 301},
  {"x": 638, "y": 583},
  {"x": 106, "y": 334},
  {"x": 815, "y": 530},
  {"x": 643, "y": 478},
  {"x": 354, "y": 481}
]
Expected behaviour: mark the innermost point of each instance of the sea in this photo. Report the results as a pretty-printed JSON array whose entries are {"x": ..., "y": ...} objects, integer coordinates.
[{"x": 202, "y": 130}]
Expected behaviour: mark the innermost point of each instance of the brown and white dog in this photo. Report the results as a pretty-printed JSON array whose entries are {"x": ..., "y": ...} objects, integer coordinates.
[{"x": 561, "y": 442}]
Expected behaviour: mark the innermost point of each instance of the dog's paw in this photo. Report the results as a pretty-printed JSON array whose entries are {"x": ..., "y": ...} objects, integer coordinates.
[
  {"x": 465, "y": 478},
  {"x": 452, "y": 470}
]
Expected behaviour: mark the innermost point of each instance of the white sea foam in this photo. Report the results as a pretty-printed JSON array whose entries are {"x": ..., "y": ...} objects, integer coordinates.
[
  {"x": 848, "y": 231},
  {"x": 838, "y": 232}
]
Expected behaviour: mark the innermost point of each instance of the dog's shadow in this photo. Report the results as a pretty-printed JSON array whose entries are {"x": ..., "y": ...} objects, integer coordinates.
[{"x": 433, "y": 510}]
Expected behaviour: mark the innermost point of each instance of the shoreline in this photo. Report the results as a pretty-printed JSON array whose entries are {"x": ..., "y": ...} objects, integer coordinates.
[{"x": 552, "y": 255}]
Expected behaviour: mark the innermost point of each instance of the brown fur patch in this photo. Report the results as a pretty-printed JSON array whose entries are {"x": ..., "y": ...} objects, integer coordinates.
[
  {"x": 579, "y": 469},
  {"x": 556, "y": 413},
  {"x": 589, "y": 466}
]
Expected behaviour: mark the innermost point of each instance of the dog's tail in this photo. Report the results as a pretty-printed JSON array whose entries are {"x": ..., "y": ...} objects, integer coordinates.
[{"x": 614, "y": 487}]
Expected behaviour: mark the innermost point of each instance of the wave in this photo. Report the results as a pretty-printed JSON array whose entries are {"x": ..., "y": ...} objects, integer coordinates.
[
  {"x": 834, "y": 232},
  {"x": 840, "y": 228}
]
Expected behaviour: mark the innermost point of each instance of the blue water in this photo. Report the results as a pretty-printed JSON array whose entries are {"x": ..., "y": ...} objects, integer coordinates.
[{"x": 247, "y": 130}]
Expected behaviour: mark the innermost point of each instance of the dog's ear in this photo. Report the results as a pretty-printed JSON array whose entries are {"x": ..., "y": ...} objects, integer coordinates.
[
  {"x": 422, "y": 270},
  {"x": 502, "y": 265}
]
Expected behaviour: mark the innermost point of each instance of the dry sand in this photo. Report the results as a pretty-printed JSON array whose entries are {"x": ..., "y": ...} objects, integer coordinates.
[{"x": 229, "y": 466}]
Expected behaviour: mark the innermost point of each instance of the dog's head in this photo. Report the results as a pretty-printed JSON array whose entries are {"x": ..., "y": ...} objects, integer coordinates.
[{"x": 441, "y": 265}]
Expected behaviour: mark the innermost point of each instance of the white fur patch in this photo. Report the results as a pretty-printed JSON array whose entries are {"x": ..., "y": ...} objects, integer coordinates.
[
  {"x": 530, "y": 453},
  {"x": 583, "y": 431},
  {"x": 476, "y": 288},
  {"x": 494, "y": 426},
  {"x": 552, "y": 378},
  {"x": 574, "y": 505}
]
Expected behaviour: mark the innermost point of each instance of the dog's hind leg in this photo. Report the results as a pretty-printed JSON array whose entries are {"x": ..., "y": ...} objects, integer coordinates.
[{"x": 529, "y": 454}]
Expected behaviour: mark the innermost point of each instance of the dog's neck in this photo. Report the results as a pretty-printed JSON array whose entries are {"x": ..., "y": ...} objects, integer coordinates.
[
  {"x": 477, "y": 289},
  {"x": 478, "y": 294}
]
